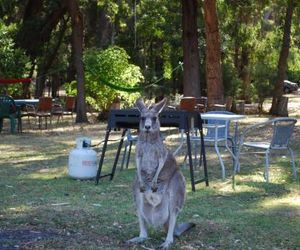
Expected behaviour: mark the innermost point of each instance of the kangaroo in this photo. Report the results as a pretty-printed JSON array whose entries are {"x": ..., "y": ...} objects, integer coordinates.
[{"x": 159, "y": 186}]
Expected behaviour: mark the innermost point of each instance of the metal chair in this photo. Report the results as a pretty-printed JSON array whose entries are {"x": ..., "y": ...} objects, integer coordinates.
[
  {"x": 281, "y": 132},
  {"x": 217, "y": 132},
  {"x": 130, "y": 139}
]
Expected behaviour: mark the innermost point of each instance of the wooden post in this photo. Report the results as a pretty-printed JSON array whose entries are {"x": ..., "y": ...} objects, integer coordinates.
[
  {"x": 241, "y": 105},
  {"x": 229, "y": 101}
]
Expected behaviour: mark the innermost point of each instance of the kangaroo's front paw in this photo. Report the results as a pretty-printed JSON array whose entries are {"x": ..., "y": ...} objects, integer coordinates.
[
  {"x": 154, "y": 187},
  {"x": 142, "y": 188}
]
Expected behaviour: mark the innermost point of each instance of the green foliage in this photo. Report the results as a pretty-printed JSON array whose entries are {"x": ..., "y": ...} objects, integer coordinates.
[
  {"x": 108, "y": 66},
  {"x": 263, "y": 82},
  {"x": 14, "y": 62},
  {"x": 232, "y": 83},
  {"x": 294, "y": 60},
  {"x": 151, "y": 33}
]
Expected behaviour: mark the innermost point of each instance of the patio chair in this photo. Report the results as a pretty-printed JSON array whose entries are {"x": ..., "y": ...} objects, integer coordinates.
[
  {"x": 43, "y": 110},
  {"x": 9, "y": 110},
  {"x": 276, "y": 140},
  {"x": 67, "y": 108},
  {"x": 216, "y": 131},
  {"x": 130, "y": 139},
  {"x": 201, "y": 104}
]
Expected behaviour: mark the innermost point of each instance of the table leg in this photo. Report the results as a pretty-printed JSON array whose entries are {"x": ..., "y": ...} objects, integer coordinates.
[
  {"x": 236, "y": 152},
  {"x": 203, "y": 155},
  {"x": 188, "y": 142},
  {"x": 118, "y": 154},
  {"x": 98, "y": 176}
]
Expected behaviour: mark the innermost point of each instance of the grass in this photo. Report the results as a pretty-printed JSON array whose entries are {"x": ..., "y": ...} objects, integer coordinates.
[{"x": 42, "y": 208}]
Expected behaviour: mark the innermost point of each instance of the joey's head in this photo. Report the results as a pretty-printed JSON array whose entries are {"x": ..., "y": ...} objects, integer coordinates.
[{"x": 149, "y": 120}]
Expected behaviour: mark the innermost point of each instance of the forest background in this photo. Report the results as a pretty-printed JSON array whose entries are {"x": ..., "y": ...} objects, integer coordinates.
[{"x": 108, "y": 50}]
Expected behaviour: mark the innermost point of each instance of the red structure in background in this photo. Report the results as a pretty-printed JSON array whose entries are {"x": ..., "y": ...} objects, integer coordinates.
[{"x": 15, "y": 80}]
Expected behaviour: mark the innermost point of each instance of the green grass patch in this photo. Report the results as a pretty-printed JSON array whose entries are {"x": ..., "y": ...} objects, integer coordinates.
[{"x": 42, "y": 208}]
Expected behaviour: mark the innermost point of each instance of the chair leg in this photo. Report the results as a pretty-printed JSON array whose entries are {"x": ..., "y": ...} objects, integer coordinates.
[
  {"x": 267, "y": 166},
  {"x": 220, "y": 159},
  {"x": 129, "y": 153},
  {"x": 28, "y": 120},
  {"x": 293, "y": 162},
  {"x": 232, "y": 152},
  {"x": 40, "y": 120},
  {"x": 20, "y": 129},
  {"x": 124, "y": 156},
  {"x": 182, "y": 141},
  {"x": 12, "y": 125},
  {"x": 1, "y": 125}
]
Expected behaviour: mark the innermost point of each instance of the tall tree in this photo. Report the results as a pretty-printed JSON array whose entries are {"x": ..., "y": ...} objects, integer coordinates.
[
  {"x": 283, "y": 57},
  {"x": 191, "y": 72},
  {"x": 39, "y": 21},
  {"x": 77, "y": 47},
  {"x": 215, "y": 90}
]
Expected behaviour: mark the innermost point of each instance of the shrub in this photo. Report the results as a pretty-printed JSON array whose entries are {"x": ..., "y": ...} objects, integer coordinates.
[{"x": 109, "y": 76}]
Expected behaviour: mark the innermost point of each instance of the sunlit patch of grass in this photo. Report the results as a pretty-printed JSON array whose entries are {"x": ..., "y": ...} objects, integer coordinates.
[
  {"x": 47, "y": 174},
  {"x": 292, "y": 200},
  {"x": 12, "y": 210}
]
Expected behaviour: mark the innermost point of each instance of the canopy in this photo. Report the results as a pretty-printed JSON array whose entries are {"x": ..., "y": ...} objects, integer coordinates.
[{"x": 15, "y": 80}]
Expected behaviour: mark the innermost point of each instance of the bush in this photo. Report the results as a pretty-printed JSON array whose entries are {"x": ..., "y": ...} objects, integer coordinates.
[
  {"x": 13, "y": 60},
  {"x": 109, "y": 77}
]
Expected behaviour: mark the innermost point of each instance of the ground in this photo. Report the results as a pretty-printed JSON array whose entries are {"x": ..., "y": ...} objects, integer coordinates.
[{"x": 42, "y": 208}]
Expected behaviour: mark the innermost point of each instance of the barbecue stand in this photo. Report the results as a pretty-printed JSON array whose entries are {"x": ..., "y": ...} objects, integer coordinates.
[{"x": 129, "y": 119}]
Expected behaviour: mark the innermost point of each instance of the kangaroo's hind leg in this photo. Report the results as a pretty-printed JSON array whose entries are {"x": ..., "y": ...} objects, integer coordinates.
[
  {"x": 176, "y": 196},
  {"x": 171, "y": 227},
  {"x": 143, "y": 229}
]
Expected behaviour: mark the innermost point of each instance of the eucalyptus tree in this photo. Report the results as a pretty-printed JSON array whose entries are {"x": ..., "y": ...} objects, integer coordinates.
[
  {"x": 77, "y": 48},
  {"x": 215, "y": 89},
  {"x": 191, "y": 73},
  {"x": 276, "y": 108},
  {"x": 240, "y": 28}
]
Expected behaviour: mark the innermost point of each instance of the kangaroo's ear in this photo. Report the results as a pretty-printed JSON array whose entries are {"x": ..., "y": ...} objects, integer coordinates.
[
  {"x": 140, "y": 104},
  {"x": 158, "y": 107}
]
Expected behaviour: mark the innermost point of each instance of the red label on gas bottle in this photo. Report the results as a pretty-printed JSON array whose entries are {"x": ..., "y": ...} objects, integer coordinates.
[{"x": 87, "y": 163}]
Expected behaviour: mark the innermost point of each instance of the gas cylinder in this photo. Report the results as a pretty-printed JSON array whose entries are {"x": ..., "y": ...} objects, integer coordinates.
[{"x": 82, "y": 160}]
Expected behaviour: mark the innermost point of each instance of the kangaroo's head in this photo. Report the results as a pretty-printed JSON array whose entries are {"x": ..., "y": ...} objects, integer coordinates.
[{"x": 149, "y": 122}]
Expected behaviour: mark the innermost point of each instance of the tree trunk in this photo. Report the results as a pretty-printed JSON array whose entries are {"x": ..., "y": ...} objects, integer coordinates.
[
  {"x": 77, "y": 47},
  {"x": 283, "y": 57},
  {"x": 191, "y": 73},
  {"x": 283, "y": 106},
  {"x": 245, "y": 74},
  {"x": 26, "y": 86},
  {"x": 33, "y": 37},
  {"x": 40, "y": 82},
  {"x": 49, "y": 60},
  {"x": 215, "y": 89}
]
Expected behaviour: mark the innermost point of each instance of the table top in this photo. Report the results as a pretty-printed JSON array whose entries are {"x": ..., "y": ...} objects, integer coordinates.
[
  {"x": 231, "y": 117},
  {"x": 130, "y": 118},
  {"x": 26, "y": 101}
]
